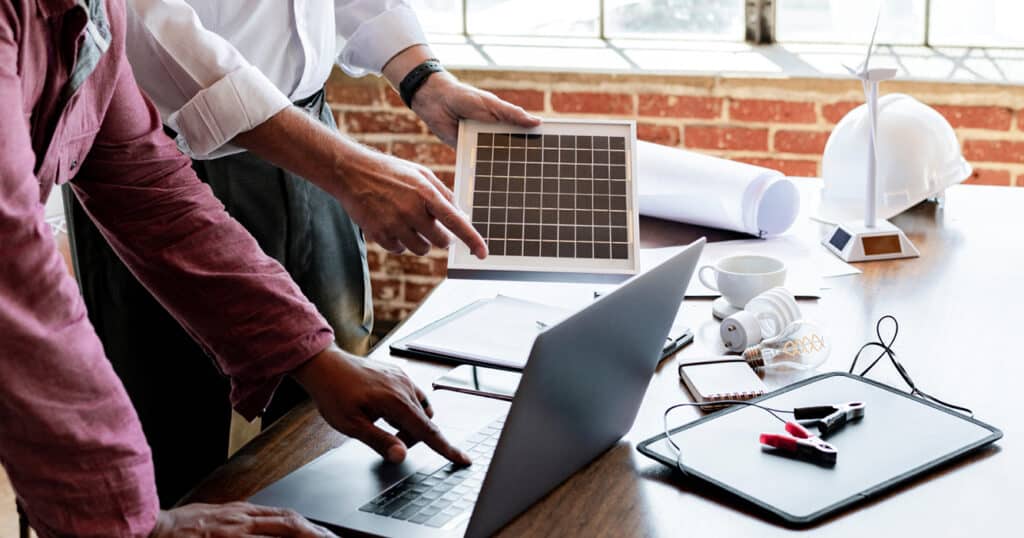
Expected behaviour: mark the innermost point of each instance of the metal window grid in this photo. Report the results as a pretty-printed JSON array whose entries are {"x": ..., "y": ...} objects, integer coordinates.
[{"x": 760, "y": 18}]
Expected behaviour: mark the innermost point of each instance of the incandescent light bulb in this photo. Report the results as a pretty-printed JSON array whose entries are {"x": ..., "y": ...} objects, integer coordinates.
[{"x": 800, "y": 346}]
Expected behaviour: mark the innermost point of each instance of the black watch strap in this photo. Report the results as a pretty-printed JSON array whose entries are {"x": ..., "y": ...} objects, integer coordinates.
[{"x": 415, "y": 79}]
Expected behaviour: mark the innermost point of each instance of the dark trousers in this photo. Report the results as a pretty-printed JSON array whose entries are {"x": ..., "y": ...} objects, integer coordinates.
[{"x": 181, "y": 398}]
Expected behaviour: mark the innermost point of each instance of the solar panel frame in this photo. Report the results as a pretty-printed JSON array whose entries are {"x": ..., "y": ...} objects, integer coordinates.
[{"x": 566, "y": 211}]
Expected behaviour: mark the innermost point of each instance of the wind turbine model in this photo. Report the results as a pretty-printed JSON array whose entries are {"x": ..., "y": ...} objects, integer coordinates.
[{"x": 870, "y": 239}]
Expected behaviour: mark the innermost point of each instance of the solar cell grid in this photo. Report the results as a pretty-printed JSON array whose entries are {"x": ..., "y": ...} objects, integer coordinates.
[{"x": 554, "y": 196}]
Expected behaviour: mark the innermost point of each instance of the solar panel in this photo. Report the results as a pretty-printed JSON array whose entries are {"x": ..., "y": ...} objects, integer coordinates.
[{"x": 557, "y": 200}]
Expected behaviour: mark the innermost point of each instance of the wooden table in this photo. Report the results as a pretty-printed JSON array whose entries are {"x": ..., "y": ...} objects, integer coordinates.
[{"x": 959, "y": 306}]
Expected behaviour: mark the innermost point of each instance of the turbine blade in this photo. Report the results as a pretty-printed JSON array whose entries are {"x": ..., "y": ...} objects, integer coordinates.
[{"x": 874, "y": 33}]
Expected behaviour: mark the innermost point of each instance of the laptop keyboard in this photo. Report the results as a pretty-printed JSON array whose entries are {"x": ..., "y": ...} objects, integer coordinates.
[{"x": 446, "y": 494}]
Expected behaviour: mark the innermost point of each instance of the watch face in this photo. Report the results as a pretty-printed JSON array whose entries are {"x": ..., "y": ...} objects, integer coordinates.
[
  {"x": 881, "y": 244},
  {"x": 839, "y": 239}
]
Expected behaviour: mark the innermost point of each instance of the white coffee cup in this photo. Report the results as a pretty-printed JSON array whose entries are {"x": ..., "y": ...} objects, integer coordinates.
[{"x": 741, "y": 278}]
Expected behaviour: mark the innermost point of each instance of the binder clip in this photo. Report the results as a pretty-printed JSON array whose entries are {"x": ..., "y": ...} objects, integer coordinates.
[
  {"x": 829, "y": 418},
  {"x": 801, "y": 443}
]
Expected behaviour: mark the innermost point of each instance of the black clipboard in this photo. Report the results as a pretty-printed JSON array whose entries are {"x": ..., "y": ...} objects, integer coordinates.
[
  {"x": 400, "y": 348},
  {"x": 876, "y": 453}
]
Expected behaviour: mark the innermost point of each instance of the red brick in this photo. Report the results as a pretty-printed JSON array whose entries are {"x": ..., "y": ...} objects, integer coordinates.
[
  {"x": 386, "y": 289},
  {"x": 392, "y": 98},
  {"x": 373, "y": 260},
  {"x": 389, "y": 264},
  {"x": 529, "y": 99},
  {"x": 1020, "y": 181},
  {"x": 810, "y": 142},
  {"x": 739, "y": 138},
  {"x": 977, "y": 117},
  {"x": 381, "y": 122},
  {"x": 412, "y": 264},
  {"x": 389, "y": 312},
  {"x": 679, "y": 106},
  {"x": 666, "y": 135},
  {"x": 988, "y": 176},
  {"x": 592, "y": 103},
  {"x": 789, "y": 167},
  {"x": 348, "y": 94},
  {"x": 998, "y": 151},
  {"x": 772, "y": 111},
  {"x": 416, "y": 292},
  {"x": 425, "y": 153},
  {"x": 834, "y": 112}
]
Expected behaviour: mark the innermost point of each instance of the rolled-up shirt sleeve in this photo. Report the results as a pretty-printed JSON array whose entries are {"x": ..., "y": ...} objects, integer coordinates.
[
  {"x": 199, "y": 263},
  {"x": 371, "y": 32},
  {"x": 224, "y": 94}
]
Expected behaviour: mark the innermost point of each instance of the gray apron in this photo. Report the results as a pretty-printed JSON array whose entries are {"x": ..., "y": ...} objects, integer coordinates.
[{"x": 181, "y": 398}]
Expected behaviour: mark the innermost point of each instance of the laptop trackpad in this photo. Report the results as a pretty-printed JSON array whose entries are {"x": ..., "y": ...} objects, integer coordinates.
[{"x": 347, "y": 477}]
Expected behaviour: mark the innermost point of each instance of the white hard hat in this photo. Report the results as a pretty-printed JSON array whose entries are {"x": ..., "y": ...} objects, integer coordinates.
[{"x": 918, "y": 157}]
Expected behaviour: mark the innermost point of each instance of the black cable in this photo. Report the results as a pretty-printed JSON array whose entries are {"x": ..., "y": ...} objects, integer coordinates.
[
  {"x": 679, "y": 453},
  {"x": 887, "y": 351}
]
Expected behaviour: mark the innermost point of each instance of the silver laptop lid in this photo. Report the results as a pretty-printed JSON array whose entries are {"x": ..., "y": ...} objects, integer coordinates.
[{"x": 581, "y": 389}]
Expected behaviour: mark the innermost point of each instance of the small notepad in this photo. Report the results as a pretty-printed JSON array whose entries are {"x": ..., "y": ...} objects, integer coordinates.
[{"x": 710, "y": 383}]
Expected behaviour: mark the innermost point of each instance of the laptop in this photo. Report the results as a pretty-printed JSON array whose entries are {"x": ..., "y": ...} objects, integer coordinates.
[{"x": 579, "y": 394}]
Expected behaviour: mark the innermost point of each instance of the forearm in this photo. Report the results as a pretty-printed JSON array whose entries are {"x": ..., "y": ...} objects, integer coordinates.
[
  {"x": 296, "y": 142},
  {"x": 202, "y": 265},
  {"x": 404, "y": 62}
]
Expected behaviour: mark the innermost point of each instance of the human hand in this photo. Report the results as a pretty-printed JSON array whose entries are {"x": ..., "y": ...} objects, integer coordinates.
[
  {"x": 442, "y": 101},
  {"x": 402, "y": 205},
  {"x": 352, "y": 393},
  {"x": 231, "y": 520}
]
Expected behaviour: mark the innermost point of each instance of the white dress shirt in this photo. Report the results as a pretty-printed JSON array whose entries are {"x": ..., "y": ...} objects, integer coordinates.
[{"x": 216, "y": 68}]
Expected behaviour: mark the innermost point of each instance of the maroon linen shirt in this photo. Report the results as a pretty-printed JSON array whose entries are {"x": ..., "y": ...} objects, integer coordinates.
[{"x": 69, "y": 438}]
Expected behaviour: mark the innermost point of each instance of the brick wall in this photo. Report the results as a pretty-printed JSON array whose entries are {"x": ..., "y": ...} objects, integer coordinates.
[{"x": 778, "y": 123}]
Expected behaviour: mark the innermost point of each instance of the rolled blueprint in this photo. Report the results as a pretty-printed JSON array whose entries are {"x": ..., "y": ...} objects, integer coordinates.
[{"x": 689, "y": 187}]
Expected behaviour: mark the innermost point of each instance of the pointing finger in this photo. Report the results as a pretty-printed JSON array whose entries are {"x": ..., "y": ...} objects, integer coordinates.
[
  {"x": 459, "y": 224},
  {"x": 411, "y": 419}
]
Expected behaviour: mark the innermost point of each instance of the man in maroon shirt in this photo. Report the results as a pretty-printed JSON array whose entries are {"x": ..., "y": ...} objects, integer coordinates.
[{"x": 69, "y": 438}]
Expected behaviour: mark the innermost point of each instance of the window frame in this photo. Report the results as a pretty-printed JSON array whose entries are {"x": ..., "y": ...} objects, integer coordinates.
[{"x": 760, "y": 18}]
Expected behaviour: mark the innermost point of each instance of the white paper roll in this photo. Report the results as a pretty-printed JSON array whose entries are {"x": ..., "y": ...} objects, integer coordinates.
[{"x": 690, "y": 187}]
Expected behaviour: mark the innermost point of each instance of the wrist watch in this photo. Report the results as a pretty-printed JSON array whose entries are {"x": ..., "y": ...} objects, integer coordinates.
[{"x": 414, "y": 80}]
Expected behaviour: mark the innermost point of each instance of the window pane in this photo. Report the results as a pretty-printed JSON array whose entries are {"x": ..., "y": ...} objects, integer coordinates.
[
  {"x": 850, "y": 21},
  {"x": 992, "y": 23},
  {"x": 439, "y": 16},
  {"x": 534, "y": 17},
  {"x": 715, "y": 19}
]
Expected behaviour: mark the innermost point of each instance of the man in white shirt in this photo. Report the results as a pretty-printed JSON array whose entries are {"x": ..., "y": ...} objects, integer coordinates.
[{"x": 240, "y": 85}]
